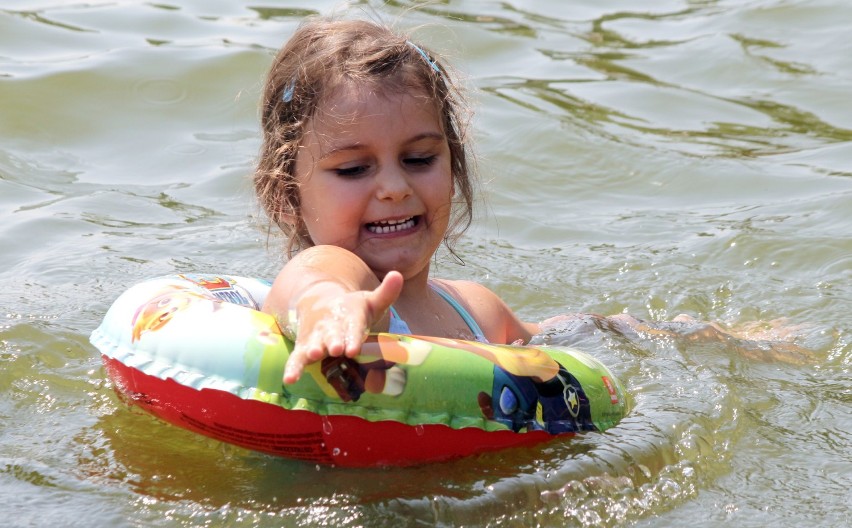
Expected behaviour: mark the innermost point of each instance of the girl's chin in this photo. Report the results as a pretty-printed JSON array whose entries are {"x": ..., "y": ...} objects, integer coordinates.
[{"x": 409, "y": 267}]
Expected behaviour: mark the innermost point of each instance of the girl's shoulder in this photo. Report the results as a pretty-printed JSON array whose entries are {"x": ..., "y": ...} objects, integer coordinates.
[{"x": 471, "y": 295}]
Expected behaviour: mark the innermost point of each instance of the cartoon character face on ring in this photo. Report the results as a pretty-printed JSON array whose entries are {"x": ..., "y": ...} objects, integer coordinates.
[
  {"x": 558, "y": 405},
  {"x": 157, "y": 312}
]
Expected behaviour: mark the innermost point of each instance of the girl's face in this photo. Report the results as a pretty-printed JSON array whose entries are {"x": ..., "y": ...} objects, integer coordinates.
[{"x": 375, "y": 178}]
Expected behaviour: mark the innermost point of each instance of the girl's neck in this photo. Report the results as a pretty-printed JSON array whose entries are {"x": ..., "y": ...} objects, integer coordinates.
[
  {"x": 428, "y": 313},
  {"x": 415, "y": 288}
]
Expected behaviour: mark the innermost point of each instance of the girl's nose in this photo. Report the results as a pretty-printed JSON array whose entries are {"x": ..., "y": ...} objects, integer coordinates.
[{"x": 392, "y": 184}]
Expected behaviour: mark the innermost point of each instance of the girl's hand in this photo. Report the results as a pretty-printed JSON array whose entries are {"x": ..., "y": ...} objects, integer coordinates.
[{"x": 331, "y": 321}]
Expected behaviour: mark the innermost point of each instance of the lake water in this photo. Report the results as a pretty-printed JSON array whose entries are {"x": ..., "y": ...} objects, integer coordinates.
[{"x": 648, "y": 158}]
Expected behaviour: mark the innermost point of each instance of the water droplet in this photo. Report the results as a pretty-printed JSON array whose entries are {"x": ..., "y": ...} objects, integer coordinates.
[
  {"x": 419, "y": 430},
  {"x": 326, "y": 425},
  {"x": 335, "y": 451}
]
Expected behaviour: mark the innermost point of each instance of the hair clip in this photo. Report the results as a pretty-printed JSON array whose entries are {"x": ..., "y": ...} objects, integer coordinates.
[
  {"x": 424, "y": 55},
  {"x": 287, "y": 96}
]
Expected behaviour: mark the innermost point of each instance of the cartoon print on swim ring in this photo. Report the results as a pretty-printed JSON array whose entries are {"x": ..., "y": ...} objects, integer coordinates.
[{"x": 558, "y": 405}]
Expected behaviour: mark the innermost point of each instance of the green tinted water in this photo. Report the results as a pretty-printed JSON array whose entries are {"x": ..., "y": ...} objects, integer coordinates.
[{"x": 677, "y": 157}]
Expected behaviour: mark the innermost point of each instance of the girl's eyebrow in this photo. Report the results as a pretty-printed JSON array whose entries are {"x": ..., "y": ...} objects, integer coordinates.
[{"x": 435, "y": 136}]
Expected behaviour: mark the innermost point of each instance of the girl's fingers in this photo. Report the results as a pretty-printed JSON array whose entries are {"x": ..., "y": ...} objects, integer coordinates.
[
  {"x": 356, "y": 332},
  {"x": 389, "y": 290},
  {"x": 340, "y": 330},
  {"x": 294, "y": 368},
  {"x": 326, "y": 340},
  {"x": 307, "y": 349},
  {"x": 385, "y": 294}
]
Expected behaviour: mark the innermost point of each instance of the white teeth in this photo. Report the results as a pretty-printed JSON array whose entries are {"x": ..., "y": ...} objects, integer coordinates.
[{"x": 390, "y": 226}]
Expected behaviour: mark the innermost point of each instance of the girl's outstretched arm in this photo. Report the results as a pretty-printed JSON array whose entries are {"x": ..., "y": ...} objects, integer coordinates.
[{"x": 330, "y": 300}]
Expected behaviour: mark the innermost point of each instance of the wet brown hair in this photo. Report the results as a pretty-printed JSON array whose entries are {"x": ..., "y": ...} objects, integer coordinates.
[{"x": 319, "y": 58}]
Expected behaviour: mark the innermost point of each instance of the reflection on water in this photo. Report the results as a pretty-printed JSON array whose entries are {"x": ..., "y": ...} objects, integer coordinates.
[{"x": 679, "y": 158}]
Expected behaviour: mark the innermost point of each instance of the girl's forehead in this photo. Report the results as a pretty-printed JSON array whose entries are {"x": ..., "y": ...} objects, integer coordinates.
[{"x": 351, "y": 104}]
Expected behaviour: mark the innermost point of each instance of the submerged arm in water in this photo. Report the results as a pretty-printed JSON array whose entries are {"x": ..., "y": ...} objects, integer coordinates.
[{"x": 772, "y": 341}]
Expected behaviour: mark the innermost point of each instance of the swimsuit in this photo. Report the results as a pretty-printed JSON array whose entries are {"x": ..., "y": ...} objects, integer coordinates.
[{"x": 399, "y": 326}]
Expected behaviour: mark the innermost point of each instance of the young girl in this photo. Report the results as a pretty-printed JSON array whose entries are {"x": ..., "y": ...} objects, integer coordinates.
[{"x": 364, "y": 166}]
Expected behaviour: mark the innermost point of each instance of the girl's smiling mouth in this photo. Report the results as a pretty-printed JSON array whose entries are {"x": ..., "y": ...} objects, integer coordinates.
[{"x": 383, "y": 227}]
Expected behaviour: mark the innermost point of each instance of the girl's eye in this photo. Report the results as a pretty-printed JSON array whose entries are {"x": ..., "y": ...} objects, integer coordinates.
[
  {"x": 351, "y": 172},
  {"x": 419, "y": 161}
]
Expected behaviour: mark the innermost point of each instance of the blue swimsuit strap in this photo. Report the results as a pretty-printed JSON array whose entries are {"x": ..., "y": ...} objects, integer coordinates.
[
  {"x": 397, "y": 324},
  {"x": 468, "y": 319}
]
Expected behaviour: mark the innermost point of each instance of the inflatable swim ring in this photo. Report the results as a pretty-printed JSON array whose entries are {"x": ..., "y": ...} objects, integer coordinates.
[{"x": 195, "y": 351}]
